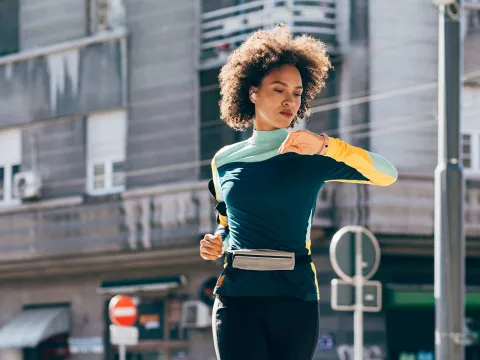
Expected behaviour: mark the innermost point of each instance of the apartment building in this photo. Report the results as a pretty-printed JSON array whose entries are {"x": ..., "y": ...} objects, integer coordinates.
[{"x": 108, "y": 122}]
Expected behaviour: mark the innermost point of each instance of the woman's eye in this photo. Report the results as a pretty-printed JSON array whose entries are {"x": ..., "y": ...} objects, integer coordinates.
[
  {"x": 299, "y": 95},
  {"x": 278, "y": 91}
]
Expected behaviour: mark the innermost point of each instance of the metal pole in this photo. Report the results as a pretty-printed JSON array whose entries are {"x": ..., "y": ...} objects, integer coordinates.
[
  {"x": 358, "y": 313},
  {"x": 122, "y": 352},
  {"x": 449, "y": 194}
]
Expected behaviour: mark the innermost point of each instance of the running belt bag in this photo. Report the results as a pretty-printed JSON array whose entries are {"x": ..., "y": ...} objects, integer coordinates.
[{"x": 264, "y": 259}]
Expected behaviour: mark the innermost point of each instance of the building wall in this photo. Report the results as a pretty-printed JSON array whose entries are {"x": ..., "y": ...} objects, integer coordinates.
[
  {"x": 51, "y": 21},
  {"x": 404, "y": 58},
  {"x": 56, "y": 149},
  {"x": 86, "y": 305},
  {"x": 163, "y": 122}
]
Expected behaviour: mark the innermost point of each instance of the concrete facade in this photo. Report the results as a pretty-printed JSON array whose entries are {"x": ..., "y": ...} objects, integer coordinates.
[{"x": 60, "y": 247}]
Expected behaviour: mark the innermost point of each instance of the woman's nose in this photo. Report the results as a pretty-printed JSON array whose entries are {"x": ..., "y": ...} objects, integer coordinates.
[{"x": 288, "y": 101}]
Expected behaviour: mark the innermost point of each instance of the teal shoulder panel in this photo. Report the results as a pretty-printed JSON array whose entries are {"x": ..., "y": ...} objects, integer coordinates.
[
  {"x": 382, "y": 165},
  {"x": 245, "y": 151}
]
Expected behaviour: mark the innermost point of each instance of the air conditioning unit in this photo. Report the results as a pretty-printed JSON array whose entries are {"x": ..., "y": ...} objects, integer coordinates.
[
  {"x": 27, "y": 185},
  {"x": 196, "y": 314}
]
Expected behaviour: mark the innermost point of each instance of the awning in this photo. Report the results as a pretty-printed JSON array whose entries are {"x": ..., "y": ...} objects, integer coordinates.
[
  {"x": 126, "y": 286},
  {"x": 33, "y": 326}
]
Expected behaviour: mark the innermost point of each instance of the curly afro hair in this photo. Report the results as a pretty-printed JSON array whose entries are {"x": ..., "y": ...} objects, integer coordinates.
[{"x": 263, "y": 51}]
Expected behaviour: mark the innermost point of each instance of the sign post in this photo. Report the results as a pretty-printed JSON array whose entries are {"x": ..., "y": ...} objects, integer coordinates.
[
  {"x": 123, "y": 312},
  {"x": 355, "y": 257},
  {"x": 358, "y": 312}
]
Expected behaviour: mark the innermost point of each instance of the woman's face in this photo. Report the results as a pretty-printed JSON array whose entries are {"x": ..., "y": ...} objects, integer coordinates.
[{"x": 277, "y": 99}]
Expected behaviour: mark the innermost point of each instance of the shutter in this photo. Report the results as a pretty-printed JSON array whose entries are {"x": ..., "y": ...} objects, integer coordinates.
[{"x": 106, "y": 135}]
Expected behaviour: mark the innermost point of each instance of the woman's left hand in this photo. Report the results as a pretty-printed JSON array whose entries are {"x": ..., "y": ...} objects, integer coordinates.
[{"x": 302, "y": 142}]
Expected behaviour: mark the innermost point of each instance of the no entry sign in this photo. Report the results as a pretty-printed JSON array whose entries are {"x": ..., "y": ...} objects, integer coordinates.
[{"x": 122, "y": 310}]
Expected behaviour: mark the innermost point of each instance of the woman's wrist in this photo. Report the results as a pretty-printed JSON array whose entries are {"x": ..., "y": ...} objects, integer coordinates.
[{"x": 325, "y": 140}]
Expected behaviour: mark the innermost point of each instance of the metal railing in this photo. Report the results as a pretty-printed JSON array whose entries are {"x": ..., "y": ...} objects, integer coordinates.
[
  {"x": 407, "y": 208},
  {"x": 224, "y": 29},
  {"x": 164, "y": 216},
  {"x": 176, "y": 215}
]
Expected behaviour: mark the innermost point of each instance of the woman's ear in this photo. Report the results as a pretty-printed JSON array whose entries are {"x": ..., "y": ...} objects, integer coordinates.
[{"x": 253, "y": 94}]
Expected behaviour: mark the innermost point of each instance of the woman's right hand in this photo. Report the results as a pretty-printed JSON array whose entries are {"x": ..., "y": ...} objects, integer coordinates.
[{"x": 211, "y": 247}]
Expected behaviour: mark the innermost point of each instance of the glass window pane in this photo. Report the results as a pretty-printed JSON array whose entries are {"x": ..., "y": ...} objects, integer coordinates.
[
  {"x": 99, "y": 176},
  {"x": 15, "y": 169},
  {"x": 2, "y": 183},
  {"x": 118, "y": 173},
  {"x": 466, "y": 151},
  {"x": 99, "y": 169}
]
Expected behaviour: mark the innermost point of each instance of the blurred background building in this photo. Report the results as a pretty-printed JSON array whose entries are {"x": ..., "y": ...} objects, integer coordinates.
[{"x": 109, "y": 119}]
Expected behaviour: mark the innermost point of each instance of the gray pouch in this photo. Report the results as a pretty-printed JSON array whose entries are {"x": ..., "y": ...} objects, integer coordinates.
[{"x": 263, "y": 260}]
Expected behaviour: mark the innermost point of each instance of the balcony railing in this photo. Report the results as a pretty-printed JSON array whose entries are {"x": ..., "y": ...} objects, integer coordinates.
[
  {"x": 177, "y": 215},
  {"x": 224, "y": 29},
  {"x": 164, "y": 216},
  {"x": 407, "y": 207},
  {"x": 67, "y": 79}
]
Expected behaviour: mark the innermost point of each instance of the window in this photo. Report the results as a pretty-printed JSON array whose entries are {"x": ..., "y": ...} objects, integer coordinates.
[
  {"x": 106, "y": 135},
  {"x": 104, "y": 15},
  {"x": 470, "y": 151},
  {"x": 10, "y": 160},
  {"x": 9, "y": 26}
]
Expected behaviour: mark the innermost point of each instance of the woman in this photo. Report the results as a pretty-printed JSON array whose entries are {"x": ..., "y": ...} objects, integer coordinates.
[{"x": 266, "y": 188}]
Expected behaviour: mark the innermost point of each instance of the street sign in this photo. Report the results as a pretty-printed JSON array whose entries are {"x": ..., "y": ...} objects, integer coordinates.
[
  {"x": 123, "y": 335},
  {"x": 344, "y": 247},
  {"x": 355, "y": 257},
  {"x": 122, "y": 310},
  {"x": 343, "y": 296}
]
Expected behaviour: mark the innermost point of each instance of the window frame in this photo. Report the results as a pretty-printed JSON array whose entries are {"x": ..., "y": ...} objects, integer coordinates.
[
  {"x": 474, "y": 152},
  {"x": 108, "y": 188},
  {"x": 106, "y": 159},
  {"x": 13, "y": 140},
  {"x": 8, "y": 199}
]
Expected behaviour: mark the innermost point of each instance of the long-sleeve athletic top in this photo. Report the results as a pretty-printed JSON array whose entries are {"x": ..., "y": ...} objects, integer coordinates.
[{"x": 270, "y": 202}]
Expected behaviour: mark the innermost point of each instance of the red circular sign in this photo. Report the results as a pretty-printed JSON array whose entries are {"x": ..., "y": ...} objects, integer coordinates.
[{"x": 122, "y": 310}]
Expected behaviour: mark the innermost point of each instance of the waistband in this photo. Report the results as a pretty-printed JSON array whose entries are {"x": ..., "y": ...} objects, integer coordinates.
[{"x": 299, "y": 259}]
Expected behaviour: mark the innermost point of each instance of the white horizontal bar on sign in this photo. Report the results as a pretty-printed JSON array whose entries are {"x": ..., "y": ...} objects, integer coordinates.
[
  {"x": 124, "y": 311},
  {"x": 231, "y": 40},
  {"x": 313, "y": 30},
  {"x": 231, "y": 9}
]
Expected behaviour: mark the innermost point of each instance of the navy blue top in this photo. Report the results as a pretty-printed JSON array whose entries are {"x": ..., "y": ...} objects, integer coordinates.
[{"x": 270, "y": 203}]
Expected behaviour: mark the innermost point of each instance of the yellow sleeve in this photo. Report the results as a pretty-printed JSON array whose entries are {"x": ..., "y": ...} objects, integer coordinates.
[{"x": 376, "y": 169}]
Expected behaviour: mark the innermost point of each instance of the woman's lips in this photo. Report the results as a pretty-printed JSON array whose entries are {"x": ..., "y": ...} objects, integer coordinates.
[{"x": 287, "y": 114}]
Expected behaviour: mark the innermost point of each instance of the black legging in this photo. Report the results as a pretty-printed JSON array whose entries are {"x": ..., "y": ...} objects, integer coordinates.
[{"x": 265, "y": 328}]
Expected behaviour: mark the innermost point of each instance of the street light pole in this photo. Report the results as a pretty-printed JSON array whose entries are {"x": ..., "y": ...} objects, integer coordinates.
[{"x": 449, "y": 190}]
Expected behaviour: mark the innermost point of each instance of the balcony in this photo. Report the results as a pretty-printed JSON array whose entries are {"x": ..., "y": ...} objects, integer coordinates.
[
  {"x": 222, "y": 30},
  {"x": 407, "y": 207},
  {"x": 146, "y": 220},
  {"x": 169, "y": 220},
  {"x": 67, "y": 79}
]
